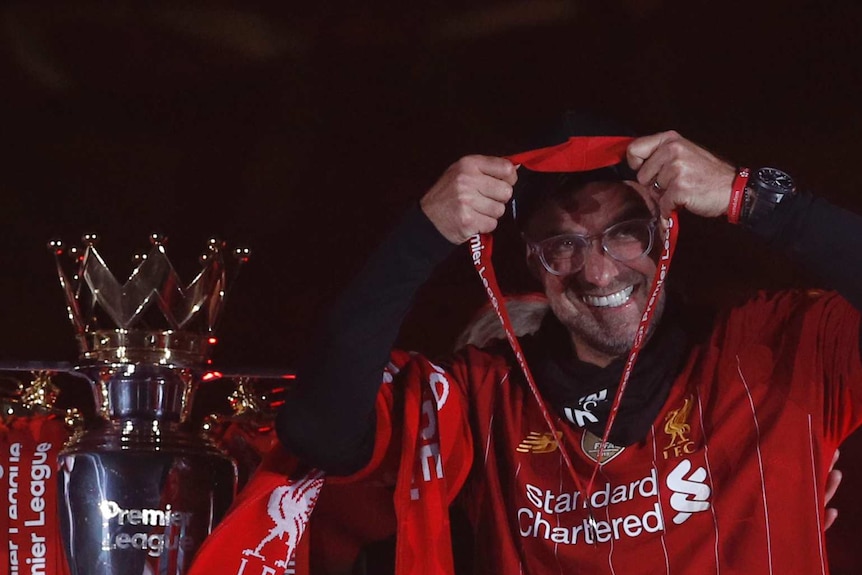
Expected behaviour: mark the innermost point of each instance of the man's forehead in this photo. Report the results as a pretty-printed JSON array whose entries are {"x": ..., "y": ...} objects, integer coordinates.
[{"x": 595, "y": 202}]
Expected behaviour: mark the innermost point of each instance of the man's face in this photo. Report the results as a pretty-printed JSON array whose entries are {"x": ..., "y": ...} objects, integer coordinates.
[{"x": 602, "y": 303}]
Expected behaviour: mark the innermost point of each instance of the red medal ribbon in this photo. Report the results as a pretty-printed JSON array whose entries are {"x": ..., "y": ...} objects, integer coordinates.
[{"x": 576, "y": 154}]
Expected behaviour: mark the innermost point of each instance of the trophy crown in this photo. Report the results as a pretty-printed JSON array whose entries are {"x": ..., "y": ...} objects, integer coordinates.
[{"x": 152, "y": 317}]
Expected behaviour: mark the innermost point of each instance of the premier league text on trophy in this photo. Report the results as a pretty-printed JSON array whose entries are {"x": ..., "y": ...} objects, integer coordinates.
[
  {"x": 173, "y": 524},
  {"x": 27, "y": 473}
]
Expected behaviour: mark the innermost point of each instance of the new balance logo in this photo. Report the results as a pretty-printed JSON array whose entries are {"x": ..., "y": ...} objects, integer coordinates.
[{"x": 537, "y": 442}]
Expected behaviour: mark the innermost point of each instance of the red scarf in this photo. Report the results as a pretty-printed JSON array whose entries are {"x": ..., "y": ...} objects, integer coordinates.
[
  {"x": 28, "y": 483},
  {"x": 264, "y": 527}
]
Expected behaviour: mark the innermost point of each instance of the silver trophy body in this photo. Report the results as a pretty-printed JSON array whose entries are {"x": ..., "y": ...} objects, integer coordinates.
[{"x": 140, "y": 488}]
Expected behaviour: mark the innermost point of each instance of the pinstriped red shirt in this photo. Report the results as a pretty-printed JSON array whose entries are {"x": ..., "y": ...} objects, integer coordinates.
[{"x": 729, "y": 479}]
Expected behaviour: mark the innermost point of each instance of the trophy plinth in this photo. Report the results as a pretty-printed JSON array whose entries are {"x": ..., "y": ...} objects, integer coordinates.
[{"x": 141, "y": 489}]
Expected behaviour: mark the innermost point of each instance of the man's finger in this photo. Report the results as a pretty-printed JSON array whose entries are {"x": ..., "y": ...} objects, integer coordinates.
[
  {"x": 834, "y": 459},
  {"x": 499, "y": 168},
  {"x": 640, "y": 149},
  {"x": 833, "y": 480},
  {"x": 831, "y": 516},
  {"x": 488, "y": 206},
  {"x": 495, "y": 189}
]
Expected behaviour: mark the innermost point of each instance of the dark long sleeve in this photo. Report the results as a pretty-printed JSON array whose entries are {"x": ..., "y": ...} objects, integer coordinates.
[
  {"x": 328, "y": 420},
  {"x": 821, "y": 236}
]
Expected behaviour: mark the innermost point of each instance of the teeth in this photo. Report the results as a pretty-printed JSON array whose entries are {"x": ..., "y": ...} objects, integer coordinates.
[{"x": 612, "y": 300}]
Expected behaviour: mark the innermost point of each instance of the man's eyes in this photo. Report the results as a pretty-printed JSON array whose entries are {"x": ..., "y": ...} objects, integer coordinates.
[{"x": 567, "y": 244}]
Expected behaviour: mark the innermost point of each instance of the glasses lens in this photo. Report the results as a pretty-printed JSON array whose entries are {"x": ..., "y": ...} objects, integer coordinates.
[
  {"x": 564, "y": 254},
  {"x": 624, "y": 241},
  {"x": 628, "y": 240}
]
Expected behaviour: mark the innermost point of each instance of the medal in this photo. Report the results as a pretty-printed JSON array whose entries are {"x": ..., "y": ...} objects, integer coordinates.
[{"x": 591, "y": 445}]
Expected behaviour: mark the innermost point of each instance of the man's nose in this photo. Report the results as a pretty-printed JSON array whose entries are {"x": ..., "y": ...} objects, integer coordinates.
[{"x": 599, "y": 269}]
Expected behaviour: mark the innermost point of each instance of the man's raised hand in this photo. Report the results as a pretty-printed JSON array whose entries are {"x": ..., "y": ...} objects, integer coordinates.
[
  {"x": 682, "y": 174},
  {"x": 470, "y": 197}
]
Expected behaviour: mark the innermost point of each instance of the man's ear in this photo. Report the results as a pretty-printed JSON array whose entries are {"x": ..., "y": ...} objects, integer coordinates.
[
  {"x": 533, "y": 263},
  {"x": 649, "y": 195}
]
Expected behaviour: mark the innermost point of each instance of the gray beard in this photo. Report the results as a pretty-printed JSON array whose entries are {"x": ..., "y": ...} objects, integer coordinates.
[{"x": 603, "y": 340}]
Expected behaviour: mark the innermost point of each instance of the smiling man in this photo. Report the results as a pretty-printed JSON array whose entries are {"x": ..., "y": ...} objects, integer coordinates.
[
  {"x": 590, "y": 245},
  {"x": 713, "y": 460}
]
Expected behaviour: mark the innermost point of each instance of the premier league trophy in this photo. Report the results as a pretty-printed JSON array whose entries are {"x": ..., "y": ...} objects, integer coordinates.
[{"x": 140, "y": 487}]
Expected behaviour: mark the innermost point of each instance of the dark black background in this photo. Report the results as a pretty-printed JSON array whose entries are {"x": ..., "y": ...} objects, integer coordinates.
[{"x": 303, "y": 131}]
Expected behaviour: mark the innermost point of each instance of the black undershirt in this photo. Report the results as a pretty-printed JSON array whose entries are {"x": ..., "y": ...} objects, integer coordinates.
[{"x": 329, "y": 417}]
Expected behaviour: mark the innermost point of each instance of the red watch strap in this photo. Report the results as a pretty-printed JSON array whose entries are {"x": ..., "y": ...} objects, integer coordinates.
[{"x": 734, "y": 208}]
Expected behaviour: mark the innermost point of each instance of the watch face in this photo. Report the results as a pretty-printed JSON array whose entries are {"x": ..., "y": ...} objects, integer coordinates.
[{"x": 775, "y": 179}]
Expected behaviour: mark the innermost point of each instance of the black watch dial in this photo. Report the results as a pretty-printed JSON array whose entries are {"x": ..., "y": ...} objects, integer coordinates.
[
  {"x": 767, "y": 188},
  {"x": 775, "y": 180}
]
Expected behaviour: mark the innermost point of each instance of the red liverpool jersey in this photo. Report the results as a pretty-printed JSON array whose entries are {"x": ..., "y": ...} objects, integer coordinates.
[{"x": 730, "y": 478}]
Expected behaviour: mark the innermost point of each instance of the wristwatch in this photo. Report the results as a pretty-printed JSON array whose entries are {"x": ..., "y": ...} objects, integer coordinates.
[{"x": 765, "y": 189}]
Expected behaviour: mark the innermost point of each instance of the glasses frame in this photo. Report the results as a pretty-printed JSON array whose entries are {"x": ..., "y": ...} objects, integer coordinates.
[{"x": 538, "y": 247}]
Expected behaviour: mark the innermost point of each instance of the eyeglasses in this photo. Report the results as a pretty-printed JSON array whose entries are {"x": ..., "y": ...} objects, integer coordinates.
[{"x": 624, "y": 241}]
